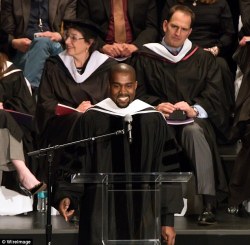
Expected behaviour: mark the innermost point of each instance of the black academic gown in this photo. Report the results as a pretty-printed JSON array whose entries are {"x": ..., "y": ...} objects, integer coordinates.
[
  {"x": 240, "y": 177},
  {"x": 15, "y": 96},
  {"x": 58, "y": 86},
  {"x": 115, "y": 155},
  {"x": 195, "y": 79}
]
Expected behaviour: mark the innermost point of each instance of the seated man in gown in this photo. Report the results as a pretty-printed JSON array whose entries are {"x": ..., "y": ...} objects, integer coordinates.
[
  {"x": 140, "y": 152},
  {"x": 177, "y": 75}
]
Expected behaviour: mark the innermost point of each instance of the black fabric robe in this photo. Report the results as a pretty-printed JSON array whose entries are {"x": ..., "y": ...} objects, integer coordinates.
[
  {"x": 240, "y": 177},
  {"x": 195, "y": 79},
  {"x": 151, "y": 137},
  {"x": 58, "y": 86},
  {"x": 15, "y": 95}
]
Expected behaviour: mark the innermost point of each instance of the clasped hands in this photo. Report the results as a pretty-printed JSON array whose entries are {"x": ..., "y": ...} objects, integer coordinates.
[
  {"x": 167, "y": 108},
  {"x": 119, "y": 49}
]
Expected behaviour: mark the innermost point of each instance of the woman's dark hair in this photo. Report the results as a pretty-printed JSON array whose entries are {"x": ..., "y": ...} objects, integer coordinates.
[
  {"x": 3, "y": 59},
  {"x": 88, "y": 30},
  {"x": 88, "y": 36}
]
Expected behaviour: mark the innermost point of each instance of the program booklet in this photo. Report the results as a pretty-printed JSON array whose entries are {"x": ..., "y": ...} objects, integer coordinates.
[
  {"x": 62, "y": 110},
  {"x": 21, "y": 118},
  {"x": 180, "y": 122}
]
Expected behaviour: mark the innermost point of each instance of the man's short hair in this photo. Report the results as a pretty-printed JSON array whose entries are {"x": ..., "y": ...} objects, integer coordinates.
[{"x": 181, "y": 8}]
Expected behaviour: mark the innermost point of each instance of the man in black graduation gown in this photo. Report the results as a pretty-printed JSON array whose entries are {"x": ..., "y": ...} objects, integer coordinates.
[
  {"x": 177, "y": 75},
  {"x": 150, "y": 137}
]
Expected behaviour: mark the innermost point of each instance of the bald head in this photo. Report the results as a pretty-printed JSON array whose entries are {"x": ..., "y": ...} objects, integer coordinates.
[
  {"x": 122, "y": 81},
  {"x": 122, "y": 68}
]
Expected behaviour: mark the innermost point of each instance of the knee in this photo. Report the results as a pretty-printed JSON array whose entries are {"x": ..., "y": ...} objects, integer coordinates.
[
  {"x": 45, "y": 44},
  {"x": 41, "y": 43},
  {"x": 192, "y": 130},
  {"x": 45, "y": 47}
]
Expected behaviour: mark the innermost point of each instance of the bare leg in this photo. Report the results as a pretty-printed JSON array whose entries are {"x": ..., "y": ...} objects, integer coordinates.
[
  {"x": 12, "y": 150},
  {"x": 26, "y": 178}
]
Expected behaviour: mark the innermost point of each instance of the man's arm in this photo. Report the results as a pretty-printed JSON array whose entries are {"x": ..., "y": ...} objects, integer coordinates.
[
  {"x": 245, "y": 17},
  {"x": 150, "y": 32},
  {"x": 66, "y": 196},
  {"x": 9, "y": 26},
  {"x": 227, "y": 27},
  {"x": 70, "y": 10},
  {"x": 65, "y": 10},
  {"x": 83, "y": 10},
  {"x": 142, "y": 91},
  {"x": 7, "y": 19}
]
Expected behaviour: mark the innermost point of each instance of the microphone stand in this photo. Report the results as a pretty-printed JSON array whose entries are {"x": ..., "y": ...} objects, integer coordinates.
[{"x": 50, "y": 151}]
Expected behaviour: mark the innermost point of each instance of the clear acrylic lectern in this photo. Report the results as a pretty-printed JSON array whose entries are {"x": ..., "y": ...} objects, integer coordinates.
[{"x": 131, "y": 204}]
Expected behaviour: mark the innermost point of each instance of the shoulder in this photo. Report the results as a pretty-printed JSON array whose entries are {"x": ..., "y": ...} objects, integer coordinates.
[
  {"x": 12, "y": 70},
  {"x": 146, "y": 54},
  {"x": 202, "y": 54},
  {"x": 111, "y": 61},
  {"x": 107, "y": 64},
  {"x": 53, "y": 60},
  {"x": 205, "y": 60}
]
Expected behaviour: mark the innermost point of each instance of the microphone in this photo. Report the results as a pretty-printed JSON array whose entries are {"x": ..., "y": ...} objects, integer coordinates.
[{"x": 128, "y": 119}]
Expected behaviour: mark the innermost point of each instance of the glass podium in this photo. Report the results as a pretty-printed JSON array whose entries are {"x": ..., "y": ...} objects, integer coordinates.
[{"x": 131, "y": 204}]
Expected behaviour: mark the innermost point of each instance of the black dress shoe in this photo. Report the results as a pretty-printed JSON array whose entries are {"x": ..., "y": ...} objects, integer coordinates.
[
  {"x": 233, "y": 210},
  {"x": 238, "y": 211},
  {"x": 37, "y": 188},
  {"x": 207, "y": 217}
]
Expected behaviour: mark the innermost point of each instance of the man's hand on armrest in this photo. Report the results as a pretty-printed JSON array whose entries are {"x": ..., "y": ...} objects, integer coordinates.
[{"x": 64, "y": 209}]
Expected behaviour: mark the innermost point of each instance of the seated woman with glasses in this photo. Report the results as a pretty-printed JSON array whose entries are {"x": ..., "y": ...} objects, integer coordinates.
[{"x": 77, "y": 77}]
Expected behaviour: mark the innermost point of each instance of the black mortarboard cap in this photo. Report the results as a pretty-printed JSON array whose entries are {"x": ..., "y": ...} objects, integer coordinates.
[{"x": 88, "y": 26}]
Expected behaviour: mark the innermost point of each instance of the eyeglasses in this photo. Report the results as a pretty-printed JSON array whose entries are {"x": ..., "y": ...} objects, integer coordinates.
[{"x": 72, "y": 37}]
